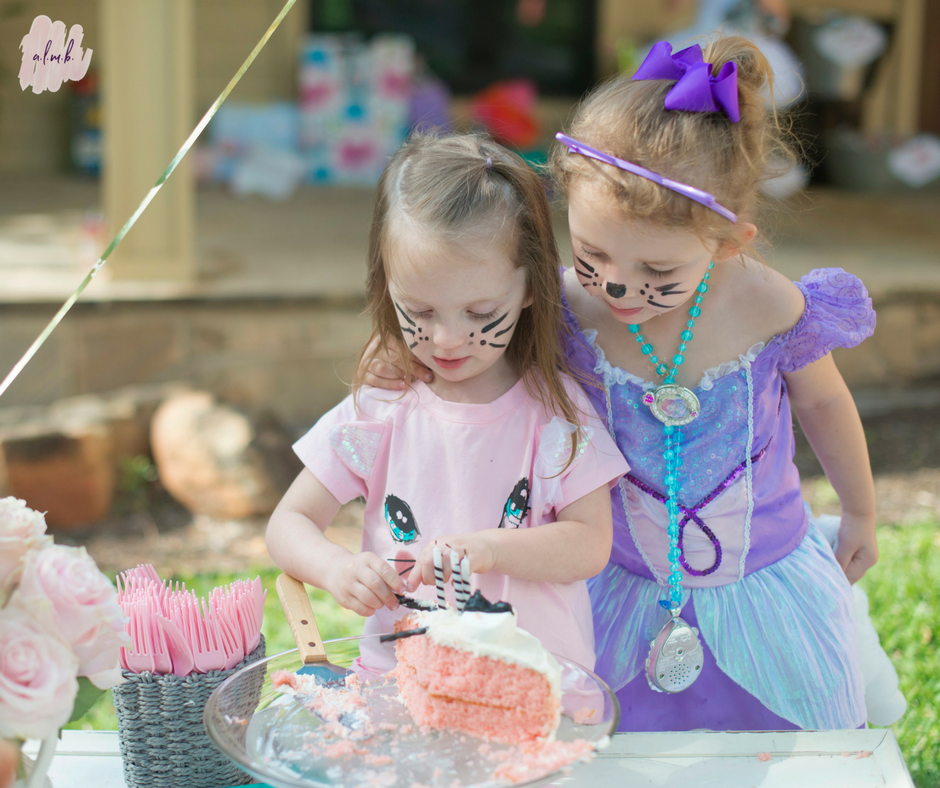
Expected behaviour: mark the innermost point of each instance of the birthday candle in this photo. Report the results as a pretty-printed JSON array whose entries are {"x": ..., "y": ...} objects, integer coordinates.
[
  {"x": 465, "y": 578},
  {"x": 459, "y": 588},
  {"x": 439, "y": 575}
]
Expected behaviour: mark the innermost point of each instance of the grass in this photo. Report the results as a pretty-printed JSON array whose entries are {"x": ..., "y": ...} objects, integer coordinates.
[{"x": 904, "y": 596}]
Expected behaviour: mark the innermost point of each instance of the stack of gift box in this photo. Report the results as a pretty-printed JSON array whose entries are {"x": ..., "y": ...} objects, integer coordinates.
[{"x": 354, "y": 100}]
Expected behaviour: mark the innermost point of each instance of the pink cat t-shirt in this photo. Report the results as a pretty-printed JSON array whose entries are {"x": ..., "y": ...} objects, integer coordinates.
[{"x": 428, "y": 467}]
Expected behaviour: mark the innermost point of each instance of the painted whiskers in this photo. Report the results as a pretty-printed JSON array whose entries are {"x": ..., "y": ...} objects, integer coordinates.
[{"x": 415, "y": 333}]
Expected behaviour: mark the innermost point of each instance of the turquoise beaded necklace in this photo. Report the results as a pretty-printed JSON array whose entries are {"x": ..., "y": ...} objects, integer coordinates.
[{"x": 675, "y": 657}]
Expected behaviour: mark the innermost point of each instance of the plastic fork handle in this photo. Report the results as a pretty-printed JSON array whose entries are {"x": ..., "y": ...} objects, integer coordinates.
[{"x": 303, "y": 625}]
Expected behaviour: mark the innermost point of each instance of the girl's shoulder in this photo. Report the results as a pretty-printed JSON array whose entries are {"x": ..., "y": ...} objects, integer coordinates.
[{"x": 765, "y": 299}]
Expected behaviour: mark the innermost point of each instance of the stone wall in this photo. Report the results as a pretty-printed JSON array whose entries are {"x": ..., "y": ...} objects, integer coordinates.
[{"x": 293, "y": 357}]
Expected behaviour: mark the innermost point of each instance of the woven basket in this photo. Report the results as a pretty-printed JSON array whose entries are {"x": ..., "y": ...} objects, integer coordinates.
[{"x": 163, "y": 739}]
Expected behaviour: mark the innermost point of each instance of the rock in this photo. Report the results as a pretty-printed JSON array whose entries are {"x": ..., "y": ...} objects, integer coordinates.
[
  {"x": 220, "y": 461},
  {"x": 63, "y": 459},
  {"x": 68, "y": 472}
]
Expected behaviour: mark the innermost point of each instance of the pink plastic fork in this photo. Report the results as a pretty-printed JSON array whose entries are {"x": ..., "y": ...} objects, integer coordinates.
[
  {"x": 141, "y": 660},
  {"x": 228, "y": 632},
  {"x": 156, "y": 639},
  {"x": 208, "y": 653}
]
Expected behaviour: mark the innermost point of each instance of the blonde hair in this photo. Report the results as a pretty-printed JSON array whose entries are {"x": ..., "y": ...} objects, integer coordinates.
[
  {"x": 446, "y": 185},
  {"x": 706, "y": 150}
]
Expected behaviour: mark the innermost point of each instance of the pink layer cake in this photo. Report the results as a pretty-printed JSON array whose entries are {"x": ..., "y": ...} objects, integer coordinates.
[{"x": 478, "y": 673}]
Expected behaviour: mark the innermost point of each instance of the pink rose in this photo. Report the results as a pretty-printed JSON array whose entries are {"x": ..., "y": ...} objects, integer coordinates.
[
  {"x": 21, "y": 530},
  {"x": 37, "y": 678},
  {"x": 64, "y": 589}
]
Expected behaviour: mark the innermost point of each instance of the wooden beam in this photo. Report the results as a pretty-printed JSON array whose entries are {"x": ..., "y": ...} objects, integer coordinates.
[{"x": 148, "y": 87}]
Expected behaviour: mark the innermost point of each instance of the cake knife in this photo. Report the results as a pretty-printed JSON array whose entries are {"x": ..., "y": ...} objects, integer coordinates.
[
  {"x": 306, "y": 634},
  {"x": 303, "y": 626}
]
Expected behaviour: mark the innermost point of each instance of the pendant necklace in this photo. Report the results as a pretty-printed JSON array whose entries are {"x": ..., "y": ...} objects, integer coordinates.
[{"x": 676, "y": 656}]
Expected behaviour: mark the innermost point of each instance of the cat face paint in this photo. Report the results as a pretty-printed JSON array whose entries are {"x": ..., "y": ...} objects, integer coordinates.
[
  {"x": 458, "y": 306},
  {"x": 637, "y": 268},
  {"x": 589, "y": 278}
]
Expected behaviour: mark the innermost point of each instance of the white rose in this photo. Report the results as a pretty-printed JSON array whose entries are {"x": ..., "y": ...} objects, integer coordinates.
[
  {"x": 38, "y": 680},
  {"x": 64, "y": 589},
  {"x": 21, "y": 530}
]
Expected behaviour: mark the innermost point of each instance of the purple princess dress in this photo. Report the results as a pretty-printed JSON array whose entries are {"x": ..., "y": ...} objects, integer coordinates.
[{"x": 773, "y": 608}]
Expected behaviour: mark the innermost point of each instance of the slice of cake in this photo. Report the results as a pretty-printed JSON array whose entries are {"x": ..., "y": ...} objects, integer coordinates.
[{"x": 475, "y": 671}]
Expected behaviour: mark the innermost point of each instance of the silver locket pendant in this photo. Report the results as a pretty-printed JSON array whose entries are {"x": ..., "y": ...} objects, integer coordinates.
[
  {"x": 674, "y": 406},
  {"x": 676, "y": 657}
]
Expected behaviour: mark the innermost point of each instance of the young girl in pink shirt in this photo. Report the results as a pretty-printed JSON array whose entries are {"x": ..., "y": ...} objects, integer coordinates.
[{"x": 501, "y": 458}]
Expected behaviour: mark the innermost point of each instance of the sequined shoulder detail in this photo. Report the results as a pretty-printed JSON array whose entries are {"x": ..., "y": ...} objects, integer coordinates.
[
  {"x": 357, "y": 446},
  {"x": 553, "y": 453},
  {"x": 838, "y": 313}
]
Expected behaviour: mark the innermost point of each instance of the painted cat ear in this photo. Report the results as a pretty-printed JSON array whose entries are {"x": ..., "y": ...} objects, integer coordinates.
[{"x": 357, "y": 446}]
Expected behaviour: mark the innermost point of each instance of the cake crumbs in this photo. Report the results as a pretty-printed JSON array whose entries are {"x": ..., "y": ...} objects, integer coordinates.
[
  {"x": 379, "y": 760},
  {"x": 346, "y": 712},
  {"x": 763, "y": 756},
  {"x": 863, "y": 754},
  {"x": 583, "y": 715},
  {"x": 544, "y": 757}
]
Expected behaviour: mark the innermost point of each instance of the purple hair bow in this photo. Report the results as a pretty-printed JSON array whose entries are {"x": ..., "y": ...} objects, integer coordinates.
[{"x": 696, "y": 89}]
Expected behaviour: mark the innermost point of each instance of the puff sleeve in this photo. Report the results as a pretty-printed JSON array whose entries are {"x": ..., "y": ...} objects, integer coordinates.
[
  {"x": 838, "y": 313},
  {"x": 341, "y": 450},
  {"x": 596, "y": 461}
]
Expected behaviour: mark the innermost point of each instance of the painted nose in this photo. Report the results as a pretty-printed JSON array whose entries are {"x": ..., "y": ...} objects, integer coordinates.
[{"x": 616, "y": 291}]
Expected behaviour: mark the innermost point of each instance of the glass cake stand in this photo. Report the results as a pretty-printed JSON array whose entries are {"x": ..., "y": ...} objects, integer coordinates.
[{"x": 268, "y": 734}]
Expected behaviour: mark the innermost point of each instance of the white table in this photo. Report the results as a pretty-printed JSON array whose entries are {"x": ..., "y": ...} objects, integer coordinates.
[{"x": 804, "y": 759}]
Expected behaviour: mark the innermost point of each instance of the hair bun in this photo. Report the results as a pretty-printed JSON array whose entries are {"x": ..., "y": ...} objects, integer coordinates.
[{"x": 754, "y": 71}]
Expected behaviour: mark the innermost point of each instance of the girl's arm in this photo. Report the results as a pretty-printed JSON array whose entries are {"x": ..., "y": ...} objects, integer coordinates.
[
  {"x": 830, "y": 420},
  {"x": 361, "y": 582},
  {"x": 575, "y": 547}
]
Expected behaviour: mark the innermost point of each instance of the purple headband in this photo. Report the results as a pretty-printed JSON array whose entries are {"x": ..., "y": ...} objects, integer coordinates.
[
  {"x": 696, "y": 89},
  {"x": 703, "y": 198}
]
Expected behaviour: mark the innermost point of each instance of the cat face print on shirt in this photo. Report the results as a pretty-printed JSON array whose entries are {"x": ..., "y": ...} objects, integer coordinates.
[
  {"x": 517, "y": 505},
  {"x": 400, "y": 520}
]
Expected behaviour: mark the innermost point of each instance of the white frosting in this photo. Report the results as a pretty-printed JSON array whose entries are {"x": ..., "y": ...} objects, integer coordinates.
[{"x": 491, "y": 635}]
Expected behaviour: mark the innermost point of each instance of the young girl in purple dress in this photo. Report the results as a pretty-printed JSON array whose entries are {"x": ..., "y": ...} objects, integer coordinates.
[{"x": 723, "y": 606}]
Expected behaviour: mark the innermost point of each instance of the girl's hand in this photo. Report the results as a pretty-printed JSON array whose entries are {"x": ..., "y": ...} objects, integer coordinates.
[
  {"x": 389, "y": 373},
  {"x": 364, "y": 583},
  {"x": 857, "y": 548},
  {"x": 475, "y": 546}
]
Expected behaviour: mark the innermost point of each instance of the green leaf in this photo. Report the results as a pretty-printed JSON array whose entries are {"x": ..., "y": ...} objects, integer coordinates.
[{"x": 88, "y": 693}]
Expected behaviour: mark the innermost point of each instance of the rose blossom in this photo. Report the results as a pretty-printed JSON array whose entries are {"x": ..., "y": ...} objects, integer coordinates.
[
  {"x": 37, "y": 678},
  {"x": 64, "y": 589},
  {"x": 21, "y": 529}
]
